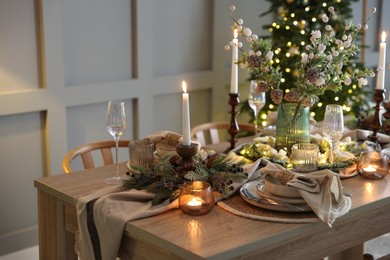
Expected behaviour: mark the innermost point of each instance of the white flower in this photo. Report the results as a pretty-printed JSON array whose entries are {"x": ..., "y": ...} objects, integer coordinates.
[
  {"x": 329, "y": 57},
  {"x": 316, "y": 34},
  {"x": 269, "y": 55},
  {"x": 365, "y": 27},
  {"x": 227, "y": 47},
  {"x": 362, "y": 82},
  {"x": 239, "y": 28},
  {"x": 240, "y": 21},
  {"x": 373, "y": 10},
  {"x": 335, "y": 53},
  {"x": 308, "y": 47},
  {"x": 305, "y": 58},
  {"x": 311, "y": 55},
  {"x": 258, "y": 53},
  {"x": 346, "y": 44},
  {"x": 325, "y": 19},
  {"x": 338, "y": 42},
  {"x": 251, "y": 52},
  {"x": 317, "y": 56},
  {"x": 239, "y": 44},
  {"x": 255, "y": 37},
  {"x": 345, "y": 37},
  {"x": 249, "y": 39},
  {"x": 232, "y": 8},
  {"x": 231, "y": 43},
  {"x": 328, "y": 27},
  {"x": 331, "y": 9},
  {"x": 347, "y": 81},
  {"x": 247, "y": 32},
  {"x": 359, "y": 26},
  {"x": 320, "y": 81},
  {"x": 321, "y": 47}
]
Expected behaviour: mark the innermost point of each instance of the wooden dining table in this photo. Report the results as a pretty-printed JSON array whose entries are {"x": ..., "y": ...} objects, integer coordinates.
[{"x": 217, "y": 235}]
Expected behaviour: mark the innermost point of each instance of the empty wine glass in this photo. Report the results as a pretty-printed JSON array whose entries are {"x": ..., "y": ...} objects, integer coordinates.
[
  {"x": 256, "y": 101},
  {"x": 116, "y": 125},
  {"x": 333, "y": 127}
]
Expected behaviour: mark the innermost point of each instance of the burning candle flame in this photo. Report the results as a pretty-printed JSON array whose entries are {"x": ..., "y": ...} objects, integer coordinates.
[
  {"x": 235, "y": 34},
  {"x": 184, "y": 86},
  {"x": 383, "y": 36}
]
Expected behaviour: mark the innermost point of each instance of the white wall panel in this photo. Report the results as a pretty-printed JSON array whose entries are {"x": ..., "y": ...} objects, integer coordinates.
[
  {"x": 182, "y": 32},
  {"x": 18, "y": 46},
  {"x": 21, "y": 161},
  {"x": 97, "y": 42}
]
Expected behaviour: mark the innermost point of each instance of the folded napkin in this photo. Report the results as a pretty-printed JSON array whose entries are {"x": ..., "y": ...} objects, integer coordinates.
[
  {"x": 322, "y": 190},
  {"x": 103, "y": 214}
]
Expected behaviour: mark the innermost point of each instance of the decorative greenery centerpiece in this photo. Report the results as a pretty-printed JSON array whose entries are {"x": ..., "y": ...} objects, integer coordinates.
[
  {"x": 327, "y": 62},
  {"x": 168, "y": 175}
]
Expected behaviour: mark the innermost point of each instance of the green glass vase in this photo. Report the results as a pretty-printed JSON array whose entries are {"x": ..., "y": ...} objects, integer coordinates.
[{"x": 292, "y": 126}]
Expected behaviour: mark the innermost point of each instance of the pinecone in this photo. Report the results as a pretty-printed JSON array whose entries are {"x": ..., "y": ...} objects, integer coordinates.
[
  {"x": 312, "y": 75},
  {"x": 292, "y": 96},
  {"x": 174, "y": 160},
  {"x": 277, "y": 96},
  {"x": 262, "y": 87},
  {"x": 210, "y": 160}
]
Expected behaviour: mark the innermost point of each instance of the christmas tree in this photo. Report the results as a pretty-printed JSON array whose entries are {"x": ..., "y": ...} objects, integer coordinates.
[{"x": 294, "y": 20}]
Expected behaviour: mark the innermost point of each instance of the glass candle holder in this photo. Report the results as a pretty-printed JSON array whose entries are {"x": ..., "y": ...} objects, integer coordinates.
[
  {"x": 141, "y": 153},
  {"x": 304, "y": 157},
  {"x": 373, "y": 165},
  {"x": 196, "y": 198}
]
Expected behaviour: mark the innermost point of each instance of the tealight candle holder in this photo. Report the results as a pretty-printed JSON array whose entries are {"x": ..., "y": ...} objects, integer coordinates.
[
  {"x": 373, "y": 165},
  {"x": 187, "y": 152},
  {"x": 196, "y": 198}
]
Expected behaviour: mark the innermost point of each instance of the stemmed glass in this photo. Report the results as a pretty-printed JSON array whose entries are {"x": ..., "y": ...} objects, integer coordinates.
[
  {"x": 333, "y": 127},
  {"x": 116, "y": 125},
  {"x": 256, "y": 101}
]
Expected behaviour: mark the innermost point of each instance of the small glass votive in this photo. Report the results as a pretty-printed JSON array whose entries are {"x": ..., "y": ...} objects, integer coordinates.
[
  {"x": 373, "y": 165},
  {"x": 196, "y": 198},
  {"x": 304, "y": 157},
  {"x": 141, "y": 153}
]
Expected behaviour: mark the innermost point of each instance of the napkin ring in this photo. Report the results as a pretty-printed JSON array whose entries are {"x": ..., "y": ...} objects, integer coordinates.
[{"x": 285, "y": 176}]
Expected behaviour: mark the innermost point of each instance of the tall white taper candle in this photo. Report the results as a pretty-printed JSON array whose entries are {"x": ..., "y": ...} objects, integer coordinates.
[
  {"x": 186, "y": 116},
  {"x": 234, "y": 73},
  {"x": 380, "y": 81}
]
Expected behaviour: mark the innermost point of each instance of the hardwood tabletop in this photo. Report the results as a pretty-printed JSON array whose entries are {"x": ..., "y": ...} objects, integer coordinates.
[{"x": 222, "y": 235}]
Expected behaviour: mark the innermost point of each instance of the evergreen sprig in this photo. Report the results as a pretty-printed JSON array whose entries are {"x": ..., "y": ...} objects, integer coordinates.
[{"x": 169, "y": 174}]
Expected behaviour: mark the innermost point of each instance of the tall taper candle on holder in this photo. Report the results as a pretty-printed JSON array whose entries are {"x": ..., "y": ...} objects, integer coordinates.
[
  {"x": 379, "y": 95},
  {"x": 186, "y": 149},
  {"x": 233, "y": 95}
]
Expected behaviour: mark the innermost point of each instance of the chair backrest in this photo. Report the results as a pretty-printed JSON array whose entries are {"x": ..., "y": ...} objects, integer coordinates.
[
  {"x": 208, "y": 133},
  {"x": 85, "y": 153}
]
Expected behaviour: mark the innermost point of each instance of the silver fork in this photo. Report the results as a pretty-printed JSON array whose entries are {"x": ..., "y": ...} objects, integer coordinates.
[{"x": 249, "y": 195}]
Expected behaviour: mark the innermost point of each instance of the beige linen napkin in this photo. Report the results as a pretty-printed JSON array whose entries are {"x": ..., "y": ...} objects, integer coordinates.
[{"x": 322, "y": 191}]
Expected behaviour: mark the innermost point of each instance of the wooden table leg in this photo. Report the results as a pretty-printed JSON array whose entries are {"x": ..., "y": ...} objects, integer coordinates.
[{"x": 54, "y": 241}]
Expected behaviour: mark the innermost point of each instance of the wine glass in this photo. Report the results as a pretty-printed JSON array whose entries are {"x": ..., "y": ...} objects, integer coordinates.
[
  {"x": 116, "y": 125},
  {"x": 333, "y": 127},
  {"x": 256, "y": 101}
]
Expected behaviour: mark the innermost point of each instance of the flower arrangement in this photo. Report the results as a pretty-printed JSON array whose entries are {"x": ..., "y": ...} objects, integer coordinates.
[
  {"x": 321, "y": 67},
  {"x": 169, "y": 174}
]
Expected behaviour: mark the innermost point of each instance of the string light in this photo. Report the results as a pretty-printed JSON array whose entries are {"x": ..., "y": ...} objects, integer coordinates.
[
  {"x": 303, "y": 43},
  {"x": 264, "y": 116},
  {"x": 307, "y": 9},
  {"x": 350, "y": 91},
  {"x": 295, "y": 23},
  {"x": 312, "y": 114},
  {"x": 313, "y": 19},
  {"x": 292, "y": 15},
  {"x": 271, "y": 107},
  {"x": 302, "y": 31},
  {"x": 274, "y": 24},
  {"x": 282, "y": 80},
  {"x": 319, "y": 104},
  {"x": 324, "y": 4},
  {"x": 287, "y": 27},
  {"x": 288, "y": 70},
  {"x": 289, "y": 44},
  {"x": 336, "y": 99},
  {"x": 288, "y": 54}
]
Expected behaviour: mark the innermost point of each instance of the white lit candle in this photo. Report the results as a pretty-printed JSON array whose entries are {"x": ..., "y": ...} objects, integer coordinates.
[
  {"x": 186, "y": 116},
  {"x": 194, "y": 202},
  {"x": 380, "y": 81},
  {"x": 234, "y": 74},
  {"x": 369, "y": 168}
]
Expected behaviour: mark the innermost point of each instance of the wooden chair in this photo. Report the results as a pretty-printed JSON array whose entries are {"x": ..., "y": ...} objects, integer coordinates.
[
  {"x": 209, "y": 133},
  {"x": 85, "y": 153}
]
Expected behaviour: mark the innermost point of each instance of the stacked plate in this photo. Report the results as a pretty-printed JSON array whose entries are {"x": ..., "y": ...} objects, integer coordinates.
[{"x": 269, "y": 194}]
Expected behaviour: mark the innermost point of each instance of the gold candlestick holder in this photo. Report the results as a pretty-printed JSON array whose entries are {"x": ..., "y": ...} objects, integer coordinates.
[
  {"x": 234, "y": 100},
  {"x": 376, "y": 122}
]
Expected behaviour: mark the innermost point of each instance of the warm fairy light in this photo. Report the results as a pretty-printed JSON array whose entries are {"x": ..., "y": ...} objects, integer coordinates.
[
  {"x": 264, "y": 123},
  {"x": 274, "y": 24},
  {"x": 354, "y": 86},
  {"x": 313, "y": 19},
  {"x": 349, "y": 91},
  {"x": 383, "y": 36},
  {"x": 270, "y": 30},
  {"x": 271, "y": 106},
  {"x": 278, "y": 26},
  {"x": 303, "y": 43},
  {"x": 282, "y": 80},
  {"x": 348, "y": 109},
  {"x": 336, "y": 99},
  {"x": 324, "y": 4},
  {"x": 319, "y": 104},
  {"x": 312, "y": 114},
  {"x": 292, "y": 15},
  {"x": 288, "y": 54},
  {"x": 287, "y": 90},
  {"x": 302, "y": 31},
  {"x": 289, "y": 44},
  {"x": 287, "y": 27},
  {"x": 285, "y": 19},
  {"x": 277, "y": 60},
  {"x": 288, "y": 70},
  {"x": 307, "y": 9},
  {"x": 295, "y": 22}
]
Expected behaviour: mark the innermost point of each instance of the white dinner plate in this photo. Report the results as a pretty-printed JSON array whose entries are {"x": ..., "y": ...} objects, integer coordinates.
[
  {"x": 262, "y": 191},
  {"x": 252, "y": 188}
]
